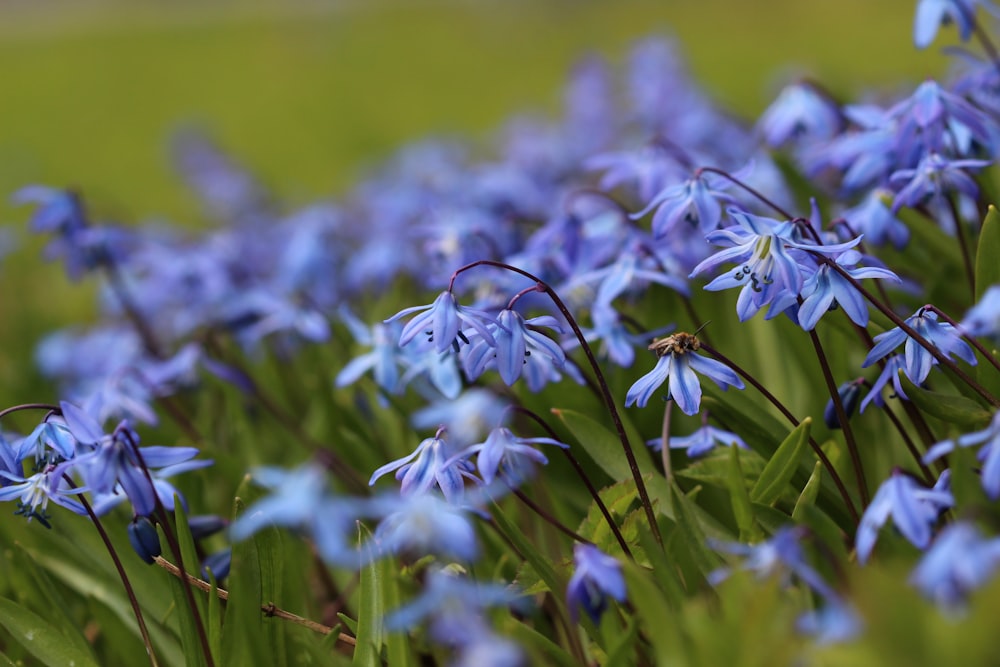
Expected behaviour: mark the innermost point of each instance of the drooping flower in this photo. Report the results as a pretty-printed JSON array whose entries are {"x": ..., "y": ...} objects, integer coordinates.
[
  {"x": 958, "y": 562},
  {"x": 510, "y": 347},
  {"x": 441, "y": 321},
  {"x": 917, "y": 359},
  {"x": 983, "y": 319},
  {"x": 913, "y": 508},
  {"x": 677, "y": 363},
  {"x": 597, "y": 577},
  {"x": 801, "y": 111},
  {"x": 701, "y": 441},
  {"x": 827, "y": 287},
  {"x": 506, "y": 455},
  {"x": 430, "y": 464},
  {"x": 932, "y": 14},
  {"x": 988, "y": 455}
]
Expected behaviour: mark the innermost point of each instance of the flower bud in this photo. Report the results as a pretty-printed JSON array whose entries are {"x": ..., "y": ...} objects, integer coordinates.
[
  {"x": 144, "y": 538},
  {"x": 849, "y": 393}
]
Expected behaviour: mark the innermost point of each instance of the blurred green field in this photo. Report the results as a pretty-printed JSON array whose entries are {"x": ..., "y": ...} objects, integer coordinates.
[{"x": 309, "y": 94}]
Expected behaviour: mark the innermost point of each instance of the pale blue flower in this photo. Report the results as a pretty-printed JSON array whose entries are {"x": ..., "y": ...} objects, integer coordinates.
[
  {"x": 958, "y": 562},
  {"x": 988, "y": 455},
  {"x": 913, "y": 508},
  {"x": 597, "y": 577}
]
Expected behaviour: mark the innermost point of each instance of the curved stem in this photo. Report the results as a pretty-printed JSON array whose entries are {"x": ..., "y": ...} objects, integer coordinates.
[
  {"x": 30, "y": 406},
  {"x": 838, "y": 406},
  {"x": 609, "y": 401},
  {"x": 129, "y": 591},
  {"x": 548, "y": 518},
  {"x": 849, "y": 504},
  {"x": 582, "y": 474},
  {"x": 752, "y": 191},
  {"x": 665, "y": 439},
  {"x": 909, "y": 331},
  {"x": 175, "y": 547}
]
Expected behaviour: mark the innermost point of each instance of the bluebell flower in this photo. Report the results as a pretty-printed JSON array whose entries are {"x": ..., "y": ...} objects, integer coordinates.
[
  {"x": 959, "y": 561},
  {"x": 507, "y": 456},
  {"x": 988, "y": 455},
  {"x": 697, "y": 201},
  {"x": 934, "y": 178},
  {"x": 932, "y": 14},
  {"x": 933, "y": 120},
  {"x": 424, "y": 524},
  {"x": 430, "y": 464},
  {"x": 616, "y": 342},
  {"x": 383, "y": 360},
  {"x": 467, "y": 418},
  {"x": 217, "y": 565},
  {"x": 255, "y": 314},
  {"x": 913, "y": 508},
  {"x": 873, "y": 219},
  {"x": 647, "y": 170},
  {"x": 58, "y": 210},
  {"x": 826, "y": 287},
  {"x": 801, "y": 111},
  {"x": 702, "y": 441},
  {"x": 866, "y": 155},
  {"x": 454, "y": 605},
  {"x": 894, "y": 364},
  {"x": 766, "y": 273},
  {"x": 781, "y": 556},
  {"x": 632, "y": 270},
  {"x": 144, "y": 539},
  {"x": 34, "y": 492},
  {"x": 299, "y": 499},
  {"x": 511, "y": 345},
  {"x": 678, "y": 362},
  {"x": 983, "y": 319},
  {"x": 849, "y": 394},
  {"x": 917, "y": 360},
  {"x": 835, "y": 622},
  {"x": 442, "y": 320},
  {"x": 597, "y": 577}
]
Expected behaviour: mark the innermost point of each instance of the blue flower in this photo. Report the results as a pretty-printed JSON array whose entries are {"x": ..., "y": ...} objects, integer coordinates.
[
  {"x": 917, "y": 360},
  {"x": 913, "y": 508},
  {"x": 781, "y": 556},
  {"x": 835, "y": 622},
  {"x": 511, "y": 346},
  {"x": 424, "y": 524},
  {"x": 34, "y": 493},
  {"x": 983, "y": 319},
  {"x": 766, "y": 273},
  {"x": 597, "y": 577},
  {"x": 428, "y": 465},
  {"x": 441, "y": 321},
  {"x": 958, "y": 562},
  {"x": 988, "y": 455},
  {"x": 893, "y": 366},
  {"x": 454, "y": 605},
  {"x": 932, "y": 14},
  {"x": 506, "y": 455},
  {"x": 827, "y": 287},
  {"x": 617, "y": 344},
  {"x": 876, "y": 222},
  {"x": 801, "y": 112},
  {"x": 467, "y": 418},
  {"x": 697, "y": 201},
  {"x": 144, "y": 539},
  {"x": 678, "y": 363},
  {"x": 701, "y": 441},
  {"x": 299, "y": 499},
  {"x": 935, "y": 177}
]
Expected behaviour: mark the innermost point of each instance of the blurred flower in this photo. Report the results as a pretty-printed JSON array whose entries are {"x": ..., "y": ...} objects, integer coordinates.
[
  {"x": 988, "y": 455},
  {"x": 701, "y": 441},
  {"x": 801, "y": 111},
  {"x": 932, "y": 14},
  {"x": 597, "y": 577},
  {"x": 958, "y": 562},
  {"x": 913, "y": 508},
  {"x": 917, "y": 360}
]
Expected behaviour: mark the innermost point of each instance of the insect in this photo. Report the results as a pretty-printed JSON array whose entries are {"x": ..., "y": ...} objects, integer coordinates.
[{"x": 678, "y": 343}]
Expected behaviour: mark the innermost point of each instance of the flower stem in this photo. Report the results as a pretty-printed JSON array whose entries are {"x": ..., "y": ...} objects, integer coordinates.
[
  {"x": 129, "y": 591},
  {"x": 725, "y": 174},
  {"x": 849, "y": 504},
  {"x": 602, "y": 382},
  {"x": 838, "y": 406}
]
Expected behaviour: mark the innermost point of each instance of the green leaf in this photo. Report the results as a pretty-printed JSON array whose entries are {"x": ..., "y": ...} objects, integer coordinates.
[
  {"x": 987, "y": 275},
  {"x": 810, "y": 492},
  {"x": 528, "y": 550},
  {"x": 740, "y": 499},
  {"x": 47, "y": 644},
  {"x": 606, "y": 449},
  {"x": 691, "y": 531},
  {"x": 52, "y": 599},
  {"x": 782, "y": 466},
  {"x": 371, "y": 610},
  {"x": 656, "y": 616},
  {"x": 621, "y": 653},
  {"x": 959, "y": 410},
  {"x": 190, "y": 638},
  {"x": 248, "y": 636}
]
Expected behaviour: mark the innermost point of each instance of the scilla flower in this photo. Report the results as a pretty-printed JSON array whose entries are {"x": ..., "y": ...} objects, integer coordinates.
[
  {"x": 597, "y": 577},
  {"x": 678, "y": 362}
]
